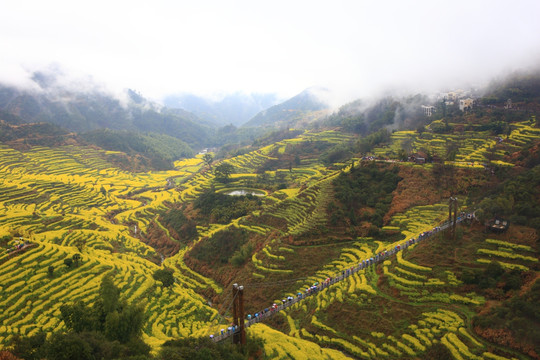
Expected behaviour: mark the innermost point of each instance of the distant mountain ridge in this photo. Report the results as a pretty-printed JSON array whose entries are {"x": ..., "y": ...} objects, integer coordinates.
[
  {"x": 304, "y": 107},
  {"x": 234, "y": 109}
]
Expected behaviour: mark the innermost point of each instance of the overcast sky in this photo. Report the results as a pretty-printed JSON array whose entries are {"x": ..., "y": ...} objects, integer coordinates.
[{"x": 201, "y": 46}]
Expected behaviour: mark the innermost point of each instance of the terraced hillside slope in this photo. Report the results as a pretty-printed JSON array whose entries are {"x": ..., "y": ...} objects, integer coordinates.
[{"x": 74, "y": 218}]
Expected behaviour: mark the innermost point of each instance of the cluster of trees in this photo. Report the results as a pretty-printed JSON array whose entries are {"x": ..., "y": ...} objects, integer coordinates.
[
  {"x": 174, "y": 219},
  {"x": 338, "y": 153},
  {"x": 529, "y": 157},
  {"x": 165, "y": 276},
  {"x": 5, "y": 239},
  {"x": 70, "y": 262},
  {"x": 223, "y": 172},
  {"x": 222, "y": 208},
  {"x": 369, "y": 142},
  {"x": 307, "y": 149},
  {"x": 205, "y": 349},
  {"x": 221, "y": 247},
  {"x": 73, "y": 261},
  {"x": 494, "y": 276},
  {"x": 241, "y": 255},
  {"x": 109, "y": 329},
  {"x": 116, "y": 319},
  {"x": 441, "y": 126},
  {"x": 368, "y": 186}
]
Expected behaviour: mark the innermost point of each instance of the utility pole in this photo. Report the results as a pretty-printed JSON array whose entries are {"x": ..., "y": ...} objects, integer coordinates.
[
  {"x": 235, "y": 311},
  {"x": 241, "y": 315},
  {"x": 239, "y": 337},
  {"x": 453, "y": 206}
]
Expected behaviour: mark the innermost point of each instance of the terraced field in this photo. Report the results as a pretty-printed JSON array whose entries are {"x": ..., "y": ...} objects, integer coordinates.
[
  {"x": 473, "y": 148},
  {"x": 422, "y": 296},
  {"x": 69, "y": 201},
  {"x": 63, "y": 200},
  {"x": 431, "y": 311},
  {"x": 357, "y": 289}
]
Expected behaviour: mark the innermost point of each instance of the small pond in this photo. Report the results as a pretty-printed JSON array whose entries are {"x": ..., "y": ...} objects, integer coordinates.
[{"x": 243, "y": 192}]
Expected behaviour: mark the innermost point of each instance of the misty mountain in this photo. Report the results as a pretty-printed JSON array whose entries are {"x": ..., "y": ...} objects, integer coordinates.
[
  {"x": 91, "y": 109},
  {"x": 522, "y": 86},
  {"x": 299, "y": 110},
  {"x": 405, "y": 112},
  {"x": 233, "y": 109},
  {"x": 390, "y": 112}
]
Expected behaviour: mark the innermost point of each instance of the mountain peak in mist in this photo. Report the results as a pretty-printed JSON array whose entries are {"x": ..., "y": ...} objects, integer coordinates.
[
  {"x": 300, "y": 108},
  {"x": 43, "y": 79}
]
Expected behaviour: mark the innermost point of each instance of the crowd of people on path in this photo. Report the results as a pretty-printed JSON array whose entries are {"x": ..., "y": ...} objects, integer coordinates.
[
  {"x": 19, "y": 245},
  {"x": 317, "y": 287}
]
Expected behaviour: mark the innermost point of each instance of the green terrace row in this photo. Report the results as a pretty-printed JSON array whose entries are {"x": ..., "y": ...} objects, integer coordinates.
[{"x": 509, "y": 255}]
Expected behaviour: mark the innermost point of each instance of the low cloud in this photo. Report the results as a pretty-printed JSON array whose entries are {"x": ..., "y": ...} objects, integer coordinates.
[{"x": 56, "y": 82}]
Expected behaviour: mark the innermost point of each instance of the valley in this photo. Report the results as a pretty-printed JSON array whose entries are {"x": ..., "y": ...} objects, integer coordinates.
[{"x": 309, "y": 205}]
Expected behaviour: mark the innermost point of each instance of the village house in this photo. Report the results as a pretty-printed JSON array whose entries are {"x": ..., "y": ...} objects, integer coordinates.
[
  {"x": 418, "y": 158},
  {"x": 428, "y": 110},
  {"x": 466, "y": 104}
]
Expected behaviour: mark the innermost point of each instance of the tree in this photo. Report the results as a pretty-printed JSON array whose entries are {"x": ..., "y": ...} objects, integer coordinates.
[
  {"x": 76, "y": 258},
  {"x": 165, "y": 276},
  {"x": 68, "y": 262},
  {"x": 79, "y": 317},
  {"x": 438, "y": 127},
  {"x": 223, "y": 172},
  {"x": 68, "y": 347},
  {"x": 50, "y": 270},
  {"x": 80, "y": 244},
  {"x": 28, "y": 348},
  {"x": 109, "y": 294},
  {"x": 207, "y": 159},
  {"x": 241, "y": 256},
  {"x": 117, "y": 320},
  {"x": 367, "y": 143}
]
